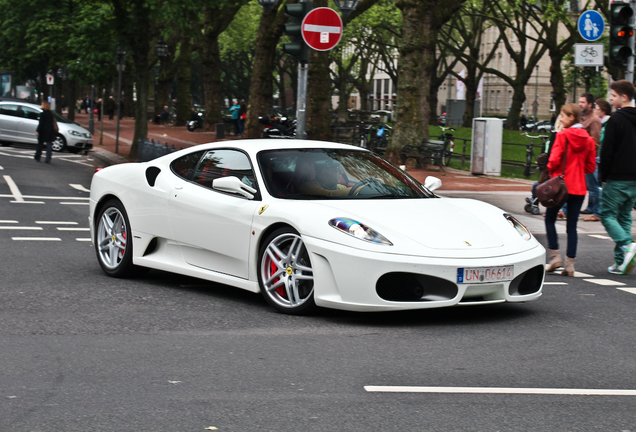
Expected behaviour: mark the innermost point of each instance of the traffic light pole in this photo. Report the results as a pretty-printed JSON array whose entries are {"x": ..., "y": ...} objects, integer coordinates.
[
  {"x": 301, "y": 100},
  {"x": 629, "y": 72}
]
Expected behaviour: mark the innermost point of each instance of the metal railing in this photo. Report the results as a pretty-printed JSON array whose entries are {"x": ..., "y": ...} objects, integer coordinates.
[{"x": 149, "y": 150}]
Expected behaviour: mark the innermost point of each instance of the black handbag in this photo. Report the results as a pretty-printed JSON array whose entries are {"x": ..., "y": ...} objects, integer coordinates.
[{"x": 554, "y": 192}]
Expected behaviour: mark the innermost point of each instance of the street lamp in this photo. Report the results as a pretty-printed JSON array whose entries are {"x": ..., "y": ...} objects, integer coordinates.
[
  {"x": 535, "y": 105},
  {"x": 346, "y": 6},
  {"x": 121, "y": 56},
  {"x": 268, "y": 5}
]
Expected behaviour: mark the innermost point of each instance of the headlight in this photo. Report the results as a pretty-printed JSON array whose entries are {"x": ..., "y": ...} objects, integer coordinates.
[
  {"x": 75, "y": 133},
  {"x": 521, "y": 229},
  {"x": 358, "y": 230}
]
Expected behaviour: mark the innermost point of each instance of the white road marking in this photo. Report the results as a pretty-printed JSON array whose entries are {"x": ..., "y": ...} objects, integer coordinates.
[
  {"x": 17, "y": 196},
  {"x": 84, "y": 239},
  {"x": 576, "y": 274},
  {"x": 604, "y": 282},
  {"x": 26, "y": 202},
  {"x": 629, "y": 290},
  {"x": 78, "y": 187},
  {"x": 20, "y": 228},
  {"x": 48, "y": 197},
  {"x": 502, "y": 390},
  {"x": 1, "y": 167},
  {"x": 555, "y": 283},
  {"x": 36, "y": 239},
  {"x": 55, "y": 223},
  {"x": 598, "y": 236},
  {"x": 74, "y": 203},
  {"x": 8, "y": 221},
  {"x": 72, "y": 229},
  {"x": 14, "y": 155}
]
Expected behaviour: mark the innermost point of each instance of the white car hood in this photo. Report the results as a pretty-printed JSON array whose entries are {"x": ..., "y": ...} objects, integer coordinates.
[{"x": 428, "y": 227}]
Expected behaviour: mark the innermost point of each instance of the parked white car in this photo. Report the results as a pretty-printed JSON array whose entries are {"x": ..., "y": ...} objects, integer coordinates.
[{"x": 19, "y": 120}]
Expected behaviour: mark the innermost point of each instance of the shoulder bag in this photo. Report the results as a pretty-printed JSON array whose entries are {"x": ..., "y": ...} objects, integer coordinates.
[{"x": 554, "y": 192}]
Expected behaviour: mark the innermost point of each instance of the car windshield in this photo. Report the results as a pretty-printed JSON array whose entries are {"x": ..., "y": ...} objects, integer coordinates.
[
  {"x": 335, "y": 174},
  {"x": 60, "y": 118}
]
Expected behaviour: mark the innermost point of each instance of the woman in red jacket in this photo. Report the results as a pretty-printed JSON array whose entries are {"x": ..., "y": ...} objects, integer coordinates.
[{"x": 574, "y": 145}]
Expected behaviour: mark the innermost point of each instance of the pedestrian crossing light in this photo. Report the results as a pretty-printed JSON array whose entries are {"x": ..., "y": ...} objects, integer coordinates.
[
  {"x": 621, "y": 33},
  {"x": 297, "y": 46}
]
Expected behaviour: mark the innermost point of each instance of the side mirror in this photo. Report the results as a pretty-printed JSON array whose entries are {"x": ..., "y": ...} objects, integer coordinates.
[
  {"x": 431, "y": 183},
  {"x": 234, "y": 185}
]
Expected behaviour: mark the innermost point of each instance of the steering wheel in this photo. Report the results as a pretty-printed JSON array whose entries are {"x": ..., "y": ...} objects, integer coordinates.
[{"x": 362, "y": 183}]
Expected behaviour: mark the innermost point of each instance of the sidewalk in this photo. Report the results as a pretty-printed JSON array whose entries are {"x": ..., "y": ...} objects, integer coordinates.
[{"x": 180, "y": 137}]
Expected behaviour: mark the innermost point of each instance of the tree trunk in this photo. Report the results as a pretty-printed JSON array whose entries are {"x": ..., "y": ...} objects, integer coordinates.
[
  {"x": 141, "y": 109},
  {"x": 261, "y": 88},
  {"x": 558, "y": 82},
  {"x": 319, "y": 92},
  {"x": 216, "y": 21},
  {"x": 184, "y": 75}
]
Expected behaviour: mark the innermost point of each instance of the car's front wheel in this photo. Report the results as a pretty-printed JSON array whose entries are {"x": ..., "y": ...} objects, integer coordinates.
[
  {"x": 59, "y": 144},
  {"x": 285, "y": 275},
  {"x": 113, "y": 241}
]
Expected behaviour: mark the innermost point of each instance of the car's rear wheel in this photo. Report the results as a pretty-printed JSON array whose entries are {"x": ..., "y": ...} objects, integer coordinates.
[
  {"x": 59, "y": 144},
  {"x": 113, "y": 241},
  {"x": 285, "y": 275}
]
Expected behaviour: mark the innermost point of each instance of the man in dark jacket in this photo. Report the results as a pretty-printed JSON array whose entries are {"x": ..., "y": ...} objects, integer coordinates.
[
  {"x": 46, "y": 132},
  {"x": 618, "y": 172}
]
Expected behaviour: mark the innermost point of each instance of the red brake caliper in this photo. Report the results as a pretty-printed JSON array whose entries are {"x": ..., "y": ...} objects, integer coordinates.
[
  {"x": 281, "y": 289},
  {"x": 123, "y": 250}
]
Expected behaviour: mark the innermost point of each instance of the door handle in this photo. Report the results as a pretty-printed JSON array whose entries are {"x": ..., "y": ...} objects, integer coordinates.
[{"x": 178, "y": 187}]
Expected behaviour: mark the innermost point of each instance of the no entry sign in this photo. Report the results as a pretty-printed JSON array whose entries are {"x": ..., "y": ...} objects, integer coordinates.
[{"x": 322, "y": 29}]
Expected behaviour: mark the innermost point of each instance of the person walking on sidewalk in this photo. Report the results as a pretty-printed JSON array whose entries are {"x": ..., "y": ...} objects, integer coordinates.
[
  {"x": 618, "y": 172},
  {"x": 111, "y": 106},
  {"x": 574, "y": 147},
  {"x": 592, "y": 124},
  {"x": 46, "y": 132}
]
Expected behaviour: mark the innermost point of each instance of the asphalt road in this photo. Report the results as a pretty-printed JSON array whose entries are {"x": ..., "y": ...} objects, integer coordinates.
[{"x": 83, "y": 352}]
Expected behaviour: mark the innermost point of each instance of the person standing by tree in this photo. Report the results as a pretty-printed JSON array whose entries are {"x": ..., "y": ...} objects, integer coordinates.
[
  {"x": 235, "y": 110},
  {"x": 46, "y": 132},
  {"x": 618, "y": 172},
  {"x": 111, "y": 106},
  {"x": 242, "y": 117}
]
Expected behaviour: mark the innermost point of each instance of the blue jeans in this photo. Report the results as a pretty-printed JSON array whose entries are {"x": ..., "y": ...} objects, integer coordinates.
[
  {"x": 38, "y": 150},
  {"x": 594, "y": 193},
  {"x": 574, "y": 203}
]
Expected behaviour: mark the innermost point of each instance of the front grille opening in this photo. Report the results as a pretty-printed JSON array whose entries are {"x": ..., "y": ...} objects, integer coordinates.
[
  {"x": 528, "y": 282},
  {"x": 413, "y": 287}
]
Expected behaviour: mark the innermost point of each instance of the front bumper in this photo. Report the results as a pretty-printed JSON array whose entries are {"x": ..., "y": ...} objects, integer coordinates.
[{"x": 352, "y": 279}]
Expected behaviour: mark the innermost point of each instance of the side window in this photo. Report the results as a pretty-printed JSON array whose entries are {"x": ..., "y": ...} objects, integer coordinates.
[
  {"x": 8, "y": 109},
  {"x": 185, "y": 166},
  {"x": 224, "y": 163},
  {"x": 30, "y": 113}
]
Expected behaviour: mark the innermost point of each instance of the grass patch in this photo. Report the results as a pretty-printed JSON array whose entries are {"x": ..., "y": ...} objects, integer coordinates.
[{"x": 509, "y": 150}]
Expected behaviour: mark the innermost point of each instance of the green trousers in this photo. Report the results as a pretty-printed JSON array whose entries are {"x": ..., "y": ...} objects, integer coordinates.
[{"x": 617, "y": 201}]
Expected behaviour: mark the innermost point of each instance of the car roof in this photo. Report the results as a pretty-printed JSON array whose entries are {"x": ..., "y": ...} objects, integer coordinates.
[
  {"x": 254, "y": 146},
  {"x": 20, "y": 101}
]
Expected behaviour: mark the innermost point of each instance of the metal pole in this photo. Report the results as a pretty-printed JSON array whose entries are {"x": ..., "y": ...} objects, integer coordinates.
[
  {"x": 301, "y": 101},
  {"x": 598, "y": 82},
  {"x": 574, "y": 90},
  {"x": 91, "y": 122},
  {"x": 486, "y": 94},
  {"x": 536, "y": 95},
  {"x": 118, "y": 108},
  {"x": 629, "y": 72}
]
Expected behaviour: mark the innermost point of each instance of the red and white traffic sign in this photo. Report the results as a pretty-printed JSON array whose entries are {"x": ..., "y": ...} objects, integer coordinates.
[{"x": 322, "y": 29}]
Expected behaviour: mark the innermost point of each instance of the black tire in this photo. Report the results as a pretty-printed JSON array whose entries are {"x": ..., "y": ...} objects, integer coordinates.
[
  {"x": 113, "y": 240},
  {"x": 59, "y": 145},
  {"x": 536, "y": 210},
  {"x": 528, "y": 208},
  {"x": 286, "y": 281}
]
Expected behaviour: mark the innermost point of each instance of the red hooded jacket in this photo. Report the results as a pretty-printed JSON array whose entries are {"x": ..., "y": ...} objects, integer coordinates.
[{"x": 580, "y": 159}]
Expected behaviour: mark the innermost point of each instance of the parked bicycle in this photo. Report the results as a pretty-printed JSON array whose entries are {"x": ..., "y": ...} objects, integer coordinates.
[
  {"x": 449, "y": 144},
  {"x": 530, "y": 157}
]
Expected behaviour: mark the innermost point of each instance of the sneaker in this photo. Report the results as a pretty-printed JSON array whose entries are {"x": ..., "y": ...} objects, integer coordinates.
[
  {"x": 630, "y": 253},
  {"x": 613, "y": 269}
]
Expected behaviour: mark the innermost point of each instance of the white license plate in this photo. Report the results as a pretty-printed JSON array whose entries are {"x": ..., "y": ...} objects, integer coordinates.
[{"x": 485, "y": 274}]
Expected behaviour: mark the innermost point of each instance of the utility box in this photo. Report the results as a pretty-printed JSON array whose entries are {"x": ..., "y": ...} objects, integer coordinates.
[{"x": 485, "y": 156}]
